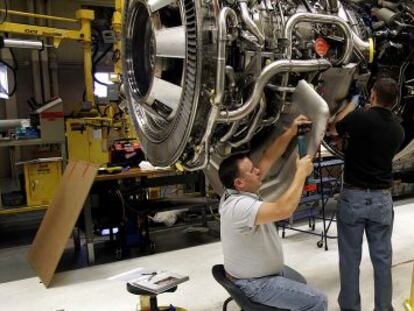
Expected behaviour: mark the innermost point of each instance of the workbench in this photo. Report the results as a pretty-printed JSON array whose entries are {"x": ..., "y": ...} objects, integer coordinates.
[{"x": 143, "y": 179}]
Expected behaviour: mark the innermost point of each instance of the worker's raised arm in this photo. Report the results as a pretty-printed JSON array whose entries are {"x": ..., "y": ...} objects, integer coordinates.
[
  {"x": 278, "y": 147},
  {"x": 287, "y": 203},
  {"x": 351, "y": 106}
]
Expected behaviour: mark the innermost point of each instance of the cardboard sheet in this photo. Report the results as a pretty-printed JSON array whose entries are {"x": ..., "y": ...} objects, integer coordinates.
[{"x": 60, "y": 218}]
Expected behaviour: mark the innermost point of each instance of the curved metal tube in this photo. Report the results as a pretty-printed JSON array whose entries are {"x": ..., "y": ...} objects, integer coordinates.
[
  {"x": 361, "y": 45},
  {"x": 269, "y": 72},
  {"x": 231, "y": 76},
  {"x": 318, "y": 18},
  {"x": 221, "y": 52},
  {"x": 220, "y": 81},
  {"x": 253, "y": 127},
  {"x": 230, "y": 132},
  {"x": 250, "y": 24}
]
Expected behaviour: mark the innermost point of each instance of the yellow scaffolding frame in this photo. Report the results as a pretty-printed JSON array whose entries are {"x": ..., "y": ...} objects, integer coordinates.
[{"x": 84, "y": 17}]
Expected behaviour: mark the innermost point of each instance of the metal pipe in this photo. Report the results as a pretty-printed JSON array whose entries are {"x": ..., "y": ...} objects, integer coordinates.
[
  {"x": 361, "y": 45},
  {"x": 12, "y": 123},
  {"x": 221, "y": 52},
  {"x": 388, "y": 4},
  {"x": 267, "y": 73},
  {"x": 253, "y": 127},
  {"x": 230, "y": 133},
  {"x": 250, "y": 24},
  {"x": 318, "y": 18},
  {"x": 23, "y": 44},
  {"x": 281, "y": 88},
  {"x": 231, "y": 76},
  {"x": 205, "y": 142},
  {"x": 308, "y": 6},
  {"x": 282, "y": 16}
]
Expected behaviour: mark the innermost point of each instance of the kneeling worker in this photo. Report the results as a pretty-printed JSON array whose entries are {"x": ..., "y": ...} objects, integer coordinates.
[{"x": 253, "y": 255}]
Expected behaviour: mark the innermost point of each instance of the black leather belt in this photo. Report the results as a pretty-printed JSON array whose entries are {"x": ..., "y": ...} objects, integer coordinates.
[{"x": 365, "y": 189}]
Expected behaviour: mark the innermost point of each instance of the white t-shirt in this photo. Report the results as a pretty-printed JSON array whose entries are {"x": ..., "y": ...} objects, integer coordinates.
[{"x": 250, "y": 251}]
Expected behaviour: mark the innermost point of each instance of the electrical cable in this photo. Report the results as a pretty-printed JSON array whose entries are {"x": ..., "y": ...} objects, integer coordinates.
[
  {"x": 5, "y": 12},
  {"x": 95, "y": 62}
]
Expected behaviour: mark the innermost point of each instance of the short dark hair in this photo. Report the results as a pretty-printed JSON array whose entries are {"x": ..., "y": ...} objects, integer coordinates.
[
  {"x": 229, "y": 169},
  {"x": 386, "y": 90}
]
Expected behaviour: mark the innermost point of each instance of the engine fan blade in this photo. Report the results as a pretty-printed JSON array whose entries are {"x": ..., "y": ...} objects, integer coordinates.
[
  {"x": 156, "y": 5},
  {"x": 166, "y": 93},
  {"x": 170, "y": 42}
]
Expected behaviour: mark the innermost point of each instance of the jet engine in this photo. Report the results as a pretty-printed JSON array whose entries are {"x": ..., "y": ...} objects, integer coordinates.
[{"x": 207, "y": 78}]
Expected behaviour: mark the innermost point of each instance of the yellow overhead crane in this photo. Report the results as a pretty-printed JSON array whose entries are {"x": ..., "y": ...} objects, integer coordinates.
[
  {"x": 83, "y": 17},
  {"x": 97, "y": 151}
]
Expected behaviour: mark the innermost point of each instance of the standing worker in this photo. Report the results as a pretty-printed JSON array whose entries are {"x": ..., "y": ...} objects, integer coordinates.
[
  {"x": 371, "y": 139},
  {"x": 253, "y": 255}
]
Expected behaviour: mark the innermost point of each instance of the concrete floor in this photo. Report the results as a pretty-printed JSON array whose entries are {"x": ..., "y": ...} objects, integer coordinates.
[{"x": 89, "y": 288}]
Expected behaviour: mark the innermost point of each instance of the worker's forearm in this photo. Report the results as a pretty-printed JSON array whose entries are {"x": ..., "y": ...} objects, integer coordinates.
[
  {"x": 278, "y": 147},
  {"x": 344, "y": 112},
  {"x": 285, "y": 205},
  {"x": 289, "y": 201}
]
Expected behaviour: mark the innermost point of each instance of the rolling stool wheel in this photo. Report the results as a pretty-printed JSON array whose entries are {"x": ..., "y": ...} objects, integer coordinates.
[{"x": 148, "y": 300}]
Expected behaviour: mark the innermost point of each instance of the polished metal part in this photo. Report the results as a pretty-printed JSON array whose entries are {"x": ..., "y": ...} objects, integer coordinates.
[
  {"x": 24, "y": 44},
  {"x": 155, "y": 5},
  {"x": 250, "y": 25},
  {"x": 323, "y": 19},
  {"x": 170, "y": 42},
  {"x": 268, "y": 73}
]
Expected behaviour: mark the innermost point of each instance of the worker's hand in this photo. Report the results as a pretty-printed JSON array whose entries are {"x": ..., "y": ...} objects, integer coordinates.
[
  {"x": 304, "y": 165},
  {"x": 299, "y": 120}
]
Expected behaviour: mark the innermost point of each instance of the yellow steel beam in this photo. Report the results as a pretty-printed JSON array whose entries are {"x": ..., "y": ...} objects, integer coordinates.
[
  {"x": 58, "y": 34},
  {"x": 55, "y": 18},
  {"x": 42, "y": 31},
  {"x": 117, "y": 28},
  {"x": 84, "y": 17}
]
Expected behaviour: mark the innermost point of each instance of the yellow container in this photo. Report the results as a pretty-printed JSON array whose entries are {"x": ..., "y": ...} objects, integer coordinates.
[
  {"x": 88, "y": 140},
  {"x": 42, "y": 180}
]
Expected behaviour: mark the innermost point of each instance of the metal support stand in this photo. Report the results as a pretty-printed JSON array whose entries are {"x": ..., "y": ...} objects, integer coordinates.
[
  {"x": 89, "y": 238},
  {"x": 327, "y": 187}
]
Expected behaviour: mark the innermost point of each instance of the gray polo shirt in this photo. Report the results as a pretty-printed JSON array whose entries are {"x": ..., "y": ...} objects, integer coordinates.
[{"x": 249, "y": 250}]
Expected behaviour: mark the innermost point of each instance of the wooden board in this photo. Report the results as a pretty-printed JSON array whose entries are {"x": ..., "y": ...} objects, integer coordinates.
[{"x": 60, "y": 218}]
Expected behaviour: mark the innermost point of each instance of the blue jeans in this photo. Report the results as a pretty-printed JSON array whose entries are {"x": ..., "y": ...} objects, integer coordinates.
[
  {"x": 284, "y": 292},
  {"x": 370, "y": 211}
]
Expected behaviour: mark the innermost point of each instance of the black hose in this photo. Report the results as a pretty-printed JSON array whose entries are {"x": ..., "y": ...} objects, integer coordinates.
[
  {"x": 42, "y": 83},
  {"x": 5, "y": 12},
  {"x": 95, "y": 62},
  {"x": 307, "y": 5}
]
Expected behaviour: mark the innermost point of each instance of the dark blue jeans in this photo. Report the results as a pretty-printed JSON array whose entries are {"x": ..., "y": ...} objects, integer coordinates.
[
  {"x": 284, "y": 291},
  {"x": 370, "y": 211}
]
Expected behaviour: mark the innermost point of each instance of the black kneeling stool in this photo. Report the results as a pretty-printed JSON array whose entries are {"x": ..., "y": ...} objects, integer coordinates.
[
  {"x": 240, "y": 298},
  {"x": 152, "y": 297}
]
